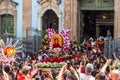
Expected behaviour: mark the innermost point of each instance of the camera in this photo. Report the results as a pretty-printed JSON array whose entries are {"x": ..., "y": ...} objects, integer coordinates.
[{"x": 68, "y": 65}]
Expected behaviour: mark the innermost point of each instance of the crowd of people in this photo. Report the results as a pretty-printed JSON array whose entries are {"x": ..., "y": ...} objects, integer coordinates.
[{"x": 85, "y": 61}]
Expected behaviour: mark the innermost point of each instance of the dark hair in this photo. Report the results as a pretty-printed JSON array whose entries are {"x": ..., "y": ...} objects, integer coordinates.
[
  {"x": 37, "y": 79},
  {"x": 21, "y": 65},
  {"x": 6, "y": 69},
  {"x": 25, "y": 72},
  {"x": 68, "y": 65},
  {"x": 0, "y": 66},
  {"x": 101, "y": 76},
  {"x": 82, "y": 62},
  {"x": 1, "y": 72},
  {"x": 108, "y": 69}
]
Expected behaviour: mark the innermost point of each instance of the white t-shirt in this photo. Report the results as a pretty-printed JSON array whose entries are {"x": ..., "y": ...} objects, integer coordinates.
[
  {"x": 86, "y": 77},
  {"x": 39, "y": 57},
  {"x": 93, "y": 43}
]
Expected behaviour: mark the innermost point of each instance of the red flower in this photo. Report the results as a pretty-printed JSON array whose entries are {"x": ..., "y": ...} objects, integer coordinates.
[{"x": 59, "y": 60}]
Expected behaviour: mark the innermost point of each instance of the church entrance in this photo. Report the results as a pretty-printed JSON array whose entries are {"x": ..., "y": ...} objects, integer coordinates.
[
  {"x": 96, "y": 18},
  {"x": 50, "y": 20},
  {"x": 98, "y": 23}
]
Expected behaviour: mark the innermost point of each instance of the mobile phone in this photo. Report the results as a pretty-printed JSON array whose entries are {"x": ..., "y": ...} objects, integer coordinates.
[{"x": 40, "y": 72}]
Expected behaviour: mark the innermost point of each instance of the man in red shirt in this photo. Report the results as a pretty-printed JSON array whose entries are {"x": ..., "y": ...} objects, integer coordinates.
[
  {"x": 23, "y": 72},
  {"x": 20, "y": 75}
]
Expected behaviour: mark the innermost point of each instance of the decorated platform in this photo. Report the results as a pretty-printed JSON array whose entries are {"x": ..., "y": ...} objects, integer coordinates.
[{"x": 57, "y": 43}]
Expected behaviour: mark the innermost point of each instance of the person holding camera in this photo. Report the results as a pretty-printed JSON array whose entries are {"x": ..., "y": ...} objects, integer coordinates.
[
  {"x": 43, "y": 75},
  {"x": 68, "y": 73}
]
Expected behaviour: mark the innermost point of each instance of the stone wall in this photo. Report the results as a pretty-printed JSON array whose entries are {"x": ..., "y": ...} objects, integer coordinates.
[
  {"x": 8, "y": 7},
  {"x": 70, "y": 17},
  {"x": 27, "y": 16}
]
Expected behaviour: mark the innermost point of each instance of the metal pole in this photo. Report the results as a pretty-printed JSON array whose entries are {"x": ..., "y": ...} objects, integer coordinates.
[
  {"x": 109, "y": 48},
  {"x": 27, "y": 33}
]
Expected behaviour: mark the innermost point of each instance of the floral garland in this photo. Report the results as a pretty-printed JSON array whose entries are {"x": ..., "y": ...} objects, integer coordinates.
[
  {"x": 8, "y": 51},
  {"x": 50, "y": 32},
  {"x": 66, "y": 37},
  {"x": 50, "y": 65},
  {"x": 65, "y": 43}
]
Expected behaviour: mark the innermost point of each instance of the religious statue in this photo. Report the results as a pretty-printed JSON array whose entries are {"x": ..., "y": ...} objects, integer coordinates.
[
  {"x": 56, "y": 42},
  {"x": 45, "y": 42}
]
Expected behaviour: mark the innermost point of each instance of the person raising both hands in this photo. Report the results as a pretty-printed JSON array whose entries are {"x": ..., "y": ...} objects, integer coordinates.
[{"x": 67, "y": 72}]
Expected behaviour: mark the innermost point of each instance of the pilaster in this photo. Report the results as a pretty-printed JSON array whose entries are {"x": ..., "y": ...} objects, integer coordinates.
[
  {"x": 27, "y": 16},
  {"x": 70, "y": 17},
  {"x": 116, "y": 19}
]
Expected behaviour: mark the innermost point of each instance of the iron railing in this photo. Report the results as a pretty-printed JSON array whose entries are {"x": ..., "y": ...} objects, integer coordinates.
[
  {"x": 111, "y": 46},
  {"x": 33, "y": 41},
  {"x": 31, "y": 44}
]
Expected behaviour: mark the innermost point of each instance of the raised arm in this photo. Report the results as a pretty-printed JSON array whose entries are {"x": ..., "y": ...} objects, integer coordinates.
[
  {"x": 75, "y": 73},
  {"x": 105, "y": 65},
  {"x": 60, "y": 75},
  {"x": 114, "y": 55}
]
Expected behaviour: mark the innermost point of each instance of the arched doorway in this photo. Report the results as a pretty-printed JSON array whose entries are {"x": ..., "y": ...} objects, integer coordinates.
[
  {"x": 7, "y": 24},
  {"x": 50, "y": 20}
]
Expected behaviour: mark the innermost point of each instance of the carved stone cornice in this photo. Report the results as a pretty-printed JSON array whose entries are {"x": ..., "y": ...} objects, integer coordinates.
[
  {"x": 43, "y": 1},
  {"x": 7, "y": 7},
  {"x": 9, "y": 1}
]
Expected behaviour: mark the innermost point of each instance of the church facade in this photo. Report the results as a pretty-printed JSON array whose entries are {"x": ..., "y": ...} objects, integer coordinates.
[{"x": 85, "y": 18}]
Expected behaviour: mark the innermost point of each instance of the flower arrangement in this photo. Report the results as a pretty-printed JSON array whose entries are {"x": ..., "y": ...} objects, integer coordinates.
[
  {"x": 8, "y": 51},
  {"x": 64, "y": 41},
  {"x": 59, "y": 37},
  {"x": 66, "y": 38},
  {"x": 50, "y": 65}
]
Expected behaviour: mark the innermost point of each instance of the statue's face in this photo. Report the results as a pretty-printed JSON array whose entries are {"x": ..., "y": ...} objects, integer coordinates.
[{"x": 56, "y": 40}]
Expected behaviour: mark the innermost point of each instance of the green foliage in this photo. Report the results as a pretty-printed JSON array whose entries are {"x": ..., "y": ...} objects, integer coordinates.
[
  {"x": 50, "y": 65},
  {"x": 10, "y": 35},
  {"x": 117, "y": 64},
  {"x": 43, "y": 33}
]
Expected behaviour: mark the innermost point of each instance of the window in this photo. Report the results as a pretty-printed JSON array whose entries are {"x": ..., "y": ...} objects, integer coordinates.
[{"x": 7, "y": 24}]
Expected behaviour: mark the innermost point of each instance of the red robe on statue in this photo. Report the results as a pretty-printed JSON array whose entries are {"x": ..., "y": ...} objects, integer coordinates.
[{"x": 56, "y": 46}]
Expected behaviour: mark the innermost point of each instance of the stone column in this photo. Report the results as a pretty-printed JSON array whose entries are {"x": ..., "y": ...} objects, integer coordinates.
[
  {"x": 67, "y": 13},
  {"x": 116, "y": 19},
  {"x": 74, "y": 20},
  {"x": 27, "y": 16},
  {"x": 70, "y": 18}
]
